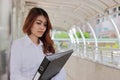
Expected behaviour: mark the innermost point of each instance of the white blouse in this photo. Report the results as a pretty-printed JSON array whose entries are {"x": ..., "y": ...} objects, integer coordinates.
[{"x": 26, "y": 58}]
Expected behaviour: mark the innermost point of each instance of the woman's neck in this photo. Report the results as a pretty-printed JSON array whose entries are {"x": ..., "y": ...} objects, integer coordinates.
[{"x": 34, "y": 39}]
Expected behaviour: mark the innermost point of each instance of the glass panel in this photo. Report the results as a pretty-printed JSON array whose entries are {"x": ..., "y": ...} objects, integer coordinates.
[
  {"x": 107, "y": 40},
  {"x": 5, "y": 30},
  {"x": 105, "y": 30},
  {"x": 117, "y": 21}
]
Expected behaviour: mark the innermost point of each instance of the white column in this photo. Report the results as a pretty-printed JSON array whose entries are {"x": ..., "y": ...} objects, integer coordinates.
[
  {"x": 84, "y": 42},
  {"x": 96, "y": 42},
  {"x": 116, "y": 29}
]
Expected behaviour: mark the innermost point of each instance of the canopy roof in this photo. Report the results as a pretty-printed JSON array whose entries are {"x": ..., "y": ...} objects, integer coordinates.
[{"x": 65, "y": 13}]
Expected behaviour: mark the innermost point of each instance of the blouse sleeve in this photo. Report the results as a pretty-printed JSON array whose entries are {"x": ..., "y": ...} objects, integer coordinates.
[
  {"x": 15, "y": 63},
  {"x": 60, "y": 76}
]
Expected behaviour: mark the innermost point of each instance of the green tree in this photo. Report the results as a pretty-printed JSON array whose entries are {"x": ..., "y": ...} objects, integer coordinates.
[
  {"x": 61, "y": 35},
  {"x": 86, "y": 34}
]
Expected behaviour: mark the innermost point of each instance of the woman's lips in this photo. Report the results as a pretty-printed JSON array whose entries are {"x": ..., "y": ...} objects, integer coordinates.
[{"x": 41, "y": 32}]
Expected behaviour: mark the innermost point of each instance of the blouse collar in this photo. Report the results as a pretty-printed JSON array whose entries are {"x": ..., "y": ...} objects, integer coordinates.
[{"x": 28, "y": 41}]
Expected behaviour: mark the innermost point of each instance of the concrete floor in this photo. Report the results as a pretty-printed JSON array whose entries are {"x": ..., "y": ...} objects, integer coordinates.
[{"x": 82, "y": 69}]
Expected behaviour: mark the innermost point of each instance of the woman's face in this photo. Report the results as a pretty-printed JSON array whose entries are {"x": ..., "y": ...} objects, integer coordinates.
[{"x": 39, "y": 26}]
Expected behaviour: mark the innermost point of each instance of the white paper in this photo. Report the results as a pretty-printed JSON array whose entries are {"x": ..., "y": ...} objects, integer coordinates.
[{"x": 37, "y": 76}]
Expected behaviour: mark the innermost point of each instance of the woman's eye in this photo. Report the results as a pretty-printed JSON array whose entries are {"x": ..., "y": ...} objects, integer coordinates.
[
  {"x": 38, "y": 22},
  {"x": 45, "y": 25}
]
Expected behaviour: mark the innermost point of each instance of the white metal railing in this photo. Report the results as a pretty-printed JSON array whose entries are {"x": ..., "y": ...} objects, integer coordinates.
[{"x": 107, "y": 56}]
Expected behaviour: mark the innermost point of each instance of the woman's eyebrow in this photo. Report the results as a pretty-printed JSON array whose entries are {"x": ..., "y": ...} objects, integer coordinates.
[{"x": 41, "y": 21}]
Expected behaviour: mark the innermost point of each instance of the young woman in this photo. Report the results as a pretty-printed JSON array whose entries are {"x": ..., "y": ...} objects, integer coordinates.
[{"x": 28, "y": 52}]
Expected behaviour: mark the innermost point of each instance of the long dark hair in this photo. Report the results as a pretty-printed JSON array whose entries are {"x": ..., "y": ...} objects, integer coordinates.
[{"x": 46, "y": 39}]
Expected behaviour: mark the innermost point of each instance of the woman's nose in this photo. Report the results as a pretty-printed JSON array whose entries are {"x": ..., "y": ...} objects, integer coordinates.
[{"x": 42, "y": 27}]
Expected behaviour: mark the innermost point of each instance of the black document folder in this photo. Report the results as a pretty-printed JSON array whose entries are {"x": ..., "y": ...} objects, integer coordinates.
[{"x": 51, "y": 65}]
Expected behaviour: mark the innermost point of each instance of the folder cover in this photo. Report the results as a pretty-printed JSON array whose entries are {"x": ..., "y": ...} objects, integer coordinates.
[{"x": 51, "y": 65}]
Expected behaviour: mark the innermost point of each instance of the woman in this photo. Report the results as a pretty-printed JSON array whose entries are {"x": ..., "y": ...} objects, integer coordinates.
[{"x": 28, "y": 52}]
